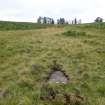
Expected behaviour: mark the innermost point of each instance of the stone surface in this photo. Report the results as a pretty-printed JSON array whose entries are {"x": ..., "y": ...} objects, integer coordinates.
[{"x": 58, "y": 77}]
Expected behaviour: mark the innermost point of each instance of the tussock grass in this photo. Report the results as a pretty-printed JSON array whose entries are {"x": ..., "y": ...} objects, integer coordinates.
[{"x": 74, "y": 33}]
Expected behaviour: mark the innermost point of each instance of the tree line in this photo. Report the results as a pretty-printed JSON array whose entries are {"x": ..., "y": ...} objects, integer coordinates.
[{"x": 48, "y": 20}]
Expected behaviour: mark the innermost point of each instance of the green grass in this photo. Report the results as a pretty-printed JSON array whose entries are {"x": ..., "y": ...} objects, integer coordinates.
[
  {"x": 27, "y": 55},
  {"x": 74, "y": 33},
  {"x": 6, "y": 25}
]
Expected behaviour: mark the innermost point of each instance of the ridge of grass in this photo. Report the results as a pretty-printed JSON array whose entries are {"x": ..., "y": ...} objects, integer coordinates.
[{"x": 7, "y": 25}]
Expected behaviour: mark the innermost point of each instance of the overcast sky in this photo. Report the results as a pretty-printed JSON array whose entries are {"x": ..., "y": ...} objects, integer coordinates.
[{"x": 30, "y": 10}]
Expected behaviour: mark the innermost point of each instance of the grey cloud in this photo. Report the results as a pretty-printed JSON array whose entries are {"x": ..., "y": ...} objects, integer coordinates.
[{"x": 30, "y": 9}]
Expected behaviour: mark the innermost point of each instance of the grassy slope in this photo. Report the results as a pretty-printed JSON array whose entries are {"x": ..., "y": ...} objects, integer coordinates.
[
  {"x": 6, "y": 25},
  {"x": 83, "y": 58}
]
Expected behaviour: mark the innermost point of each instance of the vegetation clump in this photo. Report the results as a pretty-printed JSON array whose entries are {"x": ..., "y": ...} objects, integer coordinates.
[
  {"x": 74, "y": 33},
  {"x": 54, "y": 91}
]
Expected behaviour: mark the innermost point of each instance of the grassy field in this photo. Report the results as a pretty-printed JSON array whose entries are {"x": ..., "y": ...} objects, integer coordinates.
[{"x": 26, "y": 57}]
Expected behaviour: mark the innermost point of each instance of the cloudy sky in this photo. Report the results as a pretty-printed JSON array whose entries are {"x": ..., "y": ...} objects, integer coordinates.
[{"x": 30, "y": 10}]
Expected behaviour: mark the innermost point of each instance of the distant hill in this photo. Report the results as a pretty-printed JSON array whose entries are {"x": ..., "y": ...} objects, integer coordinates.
[
  {"x": 96, "y": 25},
  {"x": 7, "y": 25}
]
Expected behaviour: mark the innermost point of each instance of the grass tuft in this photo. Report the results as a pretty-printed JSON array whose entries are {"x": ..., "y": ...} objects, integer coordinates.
[{"x": 74, "y": 33}]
